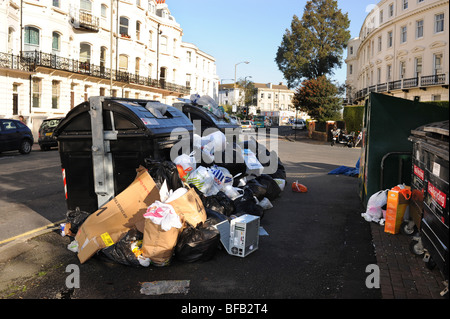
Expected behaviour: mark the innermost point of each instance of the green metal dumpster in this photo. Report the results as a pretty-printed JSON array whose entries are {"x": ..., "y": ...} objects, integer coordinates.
[
  {"x": 386, "y": 159},
  {"x": 104, "y": 140}
]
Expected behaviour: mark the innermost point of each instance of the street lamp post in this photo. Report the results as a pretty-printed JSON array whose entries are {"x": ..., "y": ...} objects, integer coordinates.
[{"x": 235, "y": 67}]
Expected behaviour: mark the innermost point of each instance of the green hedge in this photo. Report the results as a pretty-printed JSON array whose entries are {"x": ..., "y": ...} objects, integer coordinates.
[{"x": 353, "y": 117}]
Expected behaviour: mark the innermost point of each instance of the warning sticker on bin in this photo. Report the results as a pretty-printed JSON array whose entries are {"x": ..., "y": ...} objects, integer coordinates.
[
  {"x": 107, "y": 239},
  {"x": 148, "y": 121}
]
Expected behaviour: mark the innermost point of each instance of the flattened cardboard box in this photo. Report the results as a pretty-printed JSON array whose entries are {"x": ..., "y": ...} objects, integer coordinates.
[{"x": 108, "y": 224}]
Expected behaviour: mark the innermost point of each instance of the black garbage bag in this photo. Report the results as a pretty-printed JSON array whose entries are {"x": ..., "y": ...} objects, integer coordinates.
[
  {"x": 280, "y": 173},
  {"x": 76, "y": 218},
  {"x": 197, "y": 243},
  {"x": 121, "y": 251},
  {"x": 214, "y": 217},
  {"x": 247, "y": 204},
  {"x": 164, "y": 171},
  {"x": 220, "y": 202},
  {"x": 272, "y": 188},
  {"x": 257, "y": 188}
]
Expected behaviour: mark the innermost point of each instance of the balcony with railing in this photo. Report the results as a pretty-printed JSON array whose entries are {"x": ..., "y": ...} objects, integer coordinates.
[
  {"x": 30, "y": 61},
  {"x": 15, "y": 62},
  {"x": 421, "y": 82},
  {"x": 83, "y": 20}
]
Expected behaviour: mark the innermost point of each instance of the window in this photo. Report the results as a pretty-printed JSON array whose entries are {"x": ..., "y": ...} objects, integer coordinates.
[
  {"x": 150, "y": 70},
  {"x": 150, "y": 39},
  {"x": 86, "y": 5},
  {"x": 351, "y": 69},
  {"x": 188, "y": 81},
  {"x": 162, "y": 73},
  {"x": 418, "y": 66},
  {"x": 103, "y": 51},
  {"x": 164, "y": 44},
  {"x": 103, "y": 11},
  {"x": 189, "y": 57},
  {"x": 85, "y": 53},
  {"x": 403, "y": 34},
  {"x": 36, "y": 92},
  {"x": 102, "y": 91},
  {"x": 56, "y": 3},
  {"x": 10, "y": 39},
  {"x": 437, "y": 63},
  {"x": 402, "y": 69},
  {"x": 123, "y": 29},
  {"x": 419, "y": 29},
  {"x": 378, "y": 75},
  {"x": 381, "y": 16},
  {"x": 405, "y": 4},
  {"x": 31, "y": 39},
  {"x": 351, "y": 50},
  {"x": 391, "y": 10},
  {"x": 262, "y": 95},
  {"x": 439, "y": 23},
  {"x": 436, "y": 97},
  {"x": 137, "y": 66},
  {"x": 379, "y": 44},
  {"x": 55, "y": 94},
  {"x": 123, "y": 63},
  {"x": 138, "y": 30},
  {"x": 389, "y": 72},
  {"x": 389, "y": 39},
  {"x": 56, "y": 41}
]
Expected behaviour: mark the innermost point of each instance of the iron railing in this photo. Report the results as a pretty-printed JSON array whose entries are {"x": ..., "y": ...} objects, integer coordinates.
[
  {"x": 403, "y": 84},
  {"x": 30, "y": 60}
]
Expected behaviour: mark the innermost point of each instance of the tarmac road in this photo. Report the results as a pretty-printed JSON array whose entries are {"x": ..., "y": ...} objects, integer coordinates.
[{"x": 318, "y": 247}]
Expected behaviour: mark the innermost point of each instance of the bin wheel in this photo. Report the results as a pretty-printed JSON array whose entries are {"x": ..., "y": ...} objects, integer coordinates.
[
  {"x": 430, "y": 264},
  {"x": 416, "y": 247},
  {"x": 406, "y": 229}
]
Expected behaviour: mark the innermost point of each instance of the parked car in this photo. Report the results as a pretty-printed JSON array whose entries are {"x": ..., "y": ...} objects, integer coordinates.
[
  {"x": 46, "y": 139},
  {"x": 299, "y": 124},
  {"x": 246, "y": 125},
  {"x": 14, "y": 135}
]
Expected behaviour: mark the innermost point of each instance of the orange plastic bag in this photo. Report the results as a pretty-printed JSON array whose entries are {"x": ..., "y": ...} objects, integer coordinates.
[{"x": 299, "y": 188}]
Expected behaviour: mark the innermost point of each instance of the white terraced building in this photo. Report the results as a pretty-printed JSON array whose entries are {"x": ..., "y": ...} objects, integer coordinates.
[
  {"x": 402, "y": 50},
  {"x": 66, "y": 53}
]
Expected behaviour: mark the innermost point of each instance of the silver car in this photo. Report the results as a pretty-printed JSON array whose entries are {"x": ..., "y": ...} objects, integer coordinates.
[{"x": 299, "y": 124}]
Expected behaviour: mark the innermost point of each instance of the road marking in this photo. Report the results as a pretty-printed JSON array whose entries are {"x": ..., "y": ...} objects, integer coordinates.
[{"x": 49, "y": 227}]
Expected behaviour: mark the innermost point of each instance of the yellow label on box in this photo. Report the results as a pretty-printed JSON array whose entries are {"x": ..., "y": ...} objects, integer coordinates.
[{"x": 107, "y": 239}]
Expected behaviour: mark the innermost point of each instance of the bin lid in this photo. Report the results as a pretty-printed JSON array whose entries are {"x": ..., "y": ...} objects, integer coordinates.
[
  {"x": 195, "y": 112},
  {"x": 131, "y": 117}
]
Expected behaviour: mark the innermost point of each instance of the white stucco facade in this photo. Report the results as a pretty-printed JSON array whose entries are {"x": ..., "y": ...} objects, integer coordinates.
[
  {"x": 65, "y": 54},
  {"x": 402, "y": 50}
]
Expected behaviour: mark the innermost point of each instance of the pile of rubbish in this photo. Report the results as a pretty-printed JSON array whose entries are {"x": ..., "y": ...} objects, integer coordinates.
[
  {"x": 389, "y": 207},
  {"x": 172, "y": 207}
]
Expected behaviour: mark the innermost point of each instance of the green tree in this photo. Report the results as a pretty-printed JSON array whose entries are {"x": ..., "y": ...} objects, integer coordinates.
[
  {"x": 248, "y": 92},
  {"x": 314, "y": 45},
  {"x": 319, "y": 98}
]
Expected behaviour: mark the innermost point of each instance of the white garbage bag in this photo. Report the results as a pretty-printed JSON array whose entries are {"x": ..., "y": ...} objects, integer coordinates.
[
  {"x": 374, "y": 212},
  {"x": 186, "y": 164}
]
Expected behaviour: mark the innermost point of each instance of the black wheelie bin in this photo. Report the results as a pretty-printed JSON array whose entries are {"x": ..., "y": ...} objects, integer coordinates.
[
  {"x": 431, "y": 144},
  {"x": 206, "y": 118},
  {"x": 104, "y": 140}
]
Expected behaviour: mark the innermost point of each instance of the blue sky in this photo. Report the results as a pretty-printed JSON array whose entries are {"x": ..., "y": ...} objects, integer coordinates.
[{"x": 249, "y": 30}]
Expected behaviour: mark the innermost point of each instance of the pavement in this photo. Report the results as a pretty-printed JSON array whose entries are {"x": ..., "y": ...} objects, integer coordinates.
[{"x": 403, "y": 275}]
